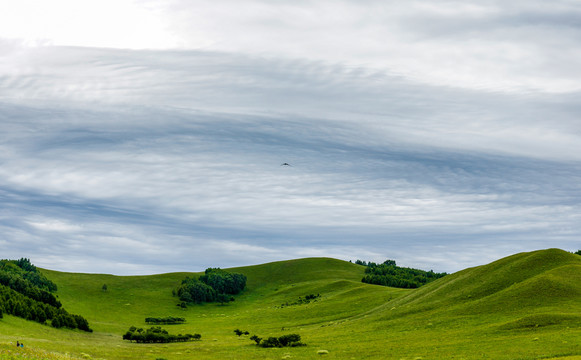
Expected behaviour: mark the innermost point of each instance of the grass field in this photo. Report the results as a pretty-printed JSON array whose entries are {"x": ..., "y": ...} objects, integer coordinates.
[{"x": 526, "y": 306}]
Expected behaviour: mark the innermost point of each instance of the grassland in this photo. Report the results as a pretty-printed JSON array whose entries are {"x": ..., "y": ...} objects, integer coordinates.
[{"x": 526, "y": 306}]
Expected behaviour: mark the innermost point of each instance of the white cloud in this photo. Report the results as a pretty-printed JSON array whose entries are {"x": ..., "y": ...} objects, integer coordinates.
[
  {"x": 107, "y": 23},
  {"x": 431, "y": 126},
  {"x": 54, "y": 225},
  {"x": 502, "y": 46}
]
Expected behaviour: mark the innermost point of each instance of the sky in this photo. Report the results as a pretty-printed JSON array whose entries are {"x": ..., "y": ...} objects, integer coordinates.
[{"x": 147, "y": 136}]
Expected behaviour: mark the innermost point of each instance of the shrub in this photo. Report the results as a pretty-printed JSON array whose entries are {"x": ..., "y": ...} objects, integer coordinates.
[
  {"x": 270, "y": 342},
  {"x": 165, "y": 320},
  {"x": 156, "y": 335},
  {"x": 289, "y": 340},
  {"x": 256, "y": 339}
]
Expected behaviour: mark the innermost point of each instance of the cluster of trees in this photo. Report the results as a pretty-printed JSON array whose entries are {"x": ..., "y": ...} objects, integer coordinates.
[
  {"x": 288, "y": 340},
  {"x": 156, "y": 334},
  {"x": 25, "y": 293},
  {"x": 71, "y": 321},
  {"x": 224, "y": 282},
  {"x": 389, "y": 274},
  {"x": 240, "y": 332},
  {"x": 165, "y": 320},
  {"x": 24, "y": 278},
  {"x": 28, "y": 271},
  {"x": 215, "y": 285},
  {"x": 578, "y": 252}
]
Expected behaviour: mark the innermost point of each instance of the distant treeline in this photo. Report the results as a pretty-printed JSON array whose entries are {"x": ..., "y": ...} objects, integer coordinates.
[
  {"x": 156, "y": 335},
  {"x": 215, "y": 285},
  {"x": 165, "y": 320},
  {"x": 389, "y": 274},
  {"x": 288, "y": 340},
  {"x": 26, "y": 293},
  {"x": 23, "y": 277}
]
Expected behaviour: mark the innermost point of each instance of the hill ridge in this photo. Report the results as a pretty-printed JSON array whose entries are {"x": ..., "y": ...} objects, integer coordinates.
[
  {"x": 492, "y": 285},
  {"x": 523, "y": 306}
]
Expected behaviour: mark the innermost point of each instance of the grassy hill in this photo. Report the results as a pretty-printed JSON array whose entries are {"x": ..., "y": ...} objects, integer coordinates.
[{"x": 526, "y": 306}]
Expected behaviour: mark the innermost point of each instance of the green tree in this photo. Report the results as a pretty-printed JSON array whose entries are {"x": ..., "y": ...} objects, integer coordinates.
[
  {"x": 256, "y": 339},
  {"x": 224, "y": 298},
  {"x": 214, "y": 285},
  {"x": 389, "y": 274}
]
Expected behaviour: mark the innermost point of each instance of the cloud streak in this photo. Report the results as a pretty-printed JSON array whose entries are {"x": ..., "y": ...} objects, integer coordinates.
[{"x": 405, "y": 141}]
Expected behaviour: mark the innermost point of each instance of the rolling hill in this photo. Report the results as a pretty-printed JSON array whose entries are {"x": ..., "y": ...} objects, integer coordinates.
[{"x": 525, "y": 306}]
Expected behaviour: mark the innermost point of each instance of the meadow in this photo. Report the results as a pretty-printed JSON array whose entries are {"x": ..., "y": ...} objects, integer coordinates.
[{"x": 526, "y": 306}]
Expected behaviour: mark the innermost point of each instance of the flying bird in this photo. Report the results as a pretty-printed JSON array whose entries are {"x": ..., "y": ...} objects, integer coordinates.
[{"x": 285, "y": 164}]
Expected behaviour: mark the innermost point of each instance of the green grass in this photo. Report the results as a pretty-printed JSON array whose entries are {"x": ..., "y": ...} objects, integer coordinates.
[
  {"x": 526, "y": 306},
  {"x": 10, "y": 351}
]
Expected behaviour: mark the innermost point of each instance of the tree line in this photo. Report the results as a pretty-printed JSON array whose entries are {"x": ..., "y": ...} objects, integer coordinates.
[
  {"x": 389, "y": 274},
  {"x": 156, "y": 334},
  {"x": 216, "y": 285},
  {"x": 288, "y": 340},
  {"x": 165, "y": 320},
  {"x": 25, "y": 293},
  {"x": 24, "y": 278}
]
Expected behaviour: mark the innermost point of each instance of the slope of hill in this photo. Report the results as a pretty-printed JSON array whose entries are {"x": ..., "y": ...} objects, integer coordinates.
[
  {"x": 525, "y": 306},
  {"x": 541, "y": 278}
]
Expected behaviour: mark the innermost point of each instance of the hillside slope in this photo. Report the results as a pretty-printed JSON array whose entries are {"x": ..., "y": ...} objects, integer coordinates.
[
  {"x": 525, "y": 306},
  {"x": 544, "y": 278}
]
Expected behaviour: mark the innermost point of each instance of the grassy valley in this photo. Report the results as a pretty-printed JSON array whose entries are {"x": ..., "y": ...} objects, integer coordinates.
[{"x": 526, "y": 306}]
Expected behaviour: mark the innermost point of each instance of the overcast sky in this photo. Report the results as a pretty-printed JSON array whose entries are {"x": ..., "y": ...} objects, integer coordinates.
[{"x": 147, "y": 136}]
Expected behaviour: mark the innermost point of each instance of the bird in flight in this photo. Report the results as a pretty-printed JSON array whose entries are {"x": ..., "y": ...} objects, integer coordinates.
[{"x": 285, "y": 164}]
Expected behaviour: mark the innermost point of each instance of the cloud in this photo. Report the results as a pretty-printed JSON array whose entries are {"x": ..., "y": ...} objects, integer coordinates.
[
  {"x": 202, "y": 189},
  {"x": 521, "y": 46},
  {"x": 54, "y": 225},
  {"x": 442, "y": 135}
]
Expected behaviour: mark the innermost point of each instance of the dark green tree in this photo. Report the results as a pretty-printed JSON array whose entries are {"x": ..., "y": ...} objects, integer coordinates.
[
  {"x": 389, "y": 274},
  {"x": 224, "y": 298},
  {"x": 214, "y": 285},
  {"x": 196, "y": 291},
  {"x": 256, "y": 339}
]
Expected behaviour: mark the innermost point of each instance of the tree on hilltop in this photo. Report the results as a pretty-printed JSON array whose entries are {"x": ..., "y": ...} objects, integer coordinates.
[{"x": 215, "y": 285}]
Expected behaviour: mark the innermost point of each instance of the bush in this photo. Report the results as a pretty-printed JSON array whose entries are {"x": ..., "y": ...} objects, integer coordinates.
[
  {"x": 156, "y": 335},
  {"x": 289, "y": 340},
  {"x": 165, "y": 320},
  {"x": 256, "y": 339}
]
